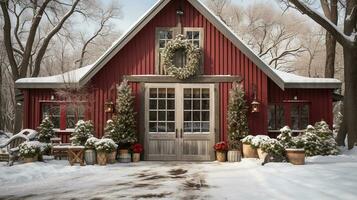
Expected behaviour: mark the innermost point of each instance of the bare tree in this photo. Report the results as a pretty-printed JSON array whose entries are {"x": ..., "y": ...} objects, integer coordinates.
[
  {"x": 104, "y": 29},
  {"x": 347, "y": 38},
  {"x": 331, "y": 12}
]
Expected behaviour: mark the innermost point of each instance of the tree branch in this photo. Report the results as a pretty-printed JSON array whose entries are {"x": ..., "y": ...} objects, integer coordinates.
[
  {"x": 343, "y": 39},
  {"x": 47, "y": 39}
]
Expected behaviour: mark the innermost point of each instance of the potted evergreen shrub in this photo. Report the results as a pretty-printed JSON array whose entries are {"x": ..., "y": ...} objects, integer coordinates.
[
  {"x": 105, "y": 151},
  {"x": 256, "y": 143},
  {"x": 237, "y": 122},
  {"x": 89, "y": 153},
  {"x": 137, "y": 149},
  {"x": 81, "y": 133},
  {"x": 122, "y": 128},
  {"x": 30, "y": 151},
  {"x": 249, "y": 151},
  {"x": 221, "y": 151},
  {"x": 274, "y": 150},
  {"x": 45, "y": 133},
  {"x": 294, "y": 146}
]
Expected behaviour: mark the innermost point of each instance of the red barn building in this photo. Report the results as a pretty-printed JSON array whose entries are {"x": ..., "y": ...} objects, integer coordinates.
[{"x": 180, "y": 119}]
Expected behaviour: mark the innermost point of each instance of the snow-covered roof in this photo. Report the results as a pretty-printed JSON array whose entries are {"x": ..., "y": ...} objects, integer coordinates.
[
  {"x": 56, "y": 81},
  {"x": 296, "y": 81},
  {"x": 84, "y": 76}
]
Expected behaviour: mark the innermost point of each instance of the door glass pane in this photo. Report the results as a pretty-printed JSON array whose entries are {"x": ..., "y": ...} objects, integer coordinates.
[
  {"x": 162, "y": 110},
  {"x": 295, "y": 117},
  {"x": 187, "y": 93},
  {"x": 196, "y": 110}
]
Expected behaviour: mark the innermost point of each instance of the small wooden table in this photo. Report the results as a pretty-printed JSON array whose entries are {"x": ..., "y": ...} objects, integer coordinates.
[
  {"x": 60, "y": 151},
  {"x": 76, "y": 155}
]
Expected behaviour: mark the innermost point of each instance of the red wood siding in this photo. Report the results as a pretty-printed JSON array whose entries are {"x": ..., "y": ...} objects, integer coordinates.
[
  {"x": 221, "y": 57},
  {"x": 320, "y": 101}
]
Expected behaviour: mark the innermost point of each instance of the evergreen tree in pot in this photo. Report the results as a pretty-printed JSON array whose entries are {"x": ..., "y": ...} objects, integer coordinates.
[
  {"x": 122, "y": 128},
  {"x": 45, "y": 133},
  {"x": 237, "y": 121}
]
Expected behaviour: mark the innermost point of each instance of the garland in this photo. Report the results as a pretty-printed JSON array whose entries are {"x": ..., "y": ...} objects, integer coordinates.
[{"x": 193, "y": 55}]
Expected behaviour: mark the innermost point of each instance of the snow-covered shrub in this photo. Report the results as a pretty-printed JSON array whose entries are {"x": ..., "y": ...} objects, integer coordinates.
[
  {"x": 30, "y": 149},
  {"x": 247, "y": 140},
  {"x": 82, "y": 131},
  {"x": 105, "y": 145},
  {"x": 316, "y": 140},
  {"x": 273, "y": 147},
  {"x": 46, "y": 131},
  {"x": 90, "y": 143},
  {"x": 285, "y": 136},
  {"x": 257, "y": 140}
]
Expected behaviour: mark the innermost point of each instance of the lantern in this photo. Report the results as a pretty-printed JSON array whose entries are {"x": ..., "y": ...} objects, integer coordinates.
[
  {"x": 109, "y": 107},
  {"x": 255, "y": 106}
]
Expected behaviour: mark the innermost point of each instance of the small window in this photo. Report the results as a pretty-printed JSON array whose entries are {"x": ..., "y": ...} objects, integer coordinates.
[
  {"x": 66, "y": 119},
  {"x": 164, "y": 37},
  {"x": 299, "y": 116},
  {"x": 276, "y": 117},
  {"x": 73, "y": 115},
  {"x": 194, "y": 37},
  {"x": 52, "y": 111}
]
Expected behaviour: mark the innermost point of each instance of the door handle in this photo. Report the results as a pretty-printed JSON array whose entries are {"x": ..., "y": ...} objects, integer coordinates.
[
  {"x": 181, "y": 133},
  {"x": 176, "y": 132}
]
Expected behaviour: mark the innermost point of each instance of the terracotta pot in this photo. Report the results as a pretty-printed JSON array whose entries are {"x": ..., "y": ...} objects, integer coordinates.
[
  {"x": 111, "y": 157},
  {"x": 101, "y": 158},
  {"x": 296, "y": 156},
  {"x": 221, "y": 156},
  {"x": 262, "y": 154},
  {"x": 136, "y": 157},
  {"x": 30, "y": 159},
  {"x": 249, "y": 151},
  {"x": 90, "y": 156},
  {"x": 124, "y": 156},
  {"x": 234, "y": 156}
]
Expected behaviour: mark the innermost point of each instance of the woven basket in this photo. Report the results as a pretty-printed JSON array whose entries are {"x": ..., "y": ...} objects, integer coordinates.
[
  {"x": 249, "y": 151},
  {"x": 101, "y": 158},
  {"x": 111, "y": 157},
  {"x": 221, "y": 156},
  {"x": 296, "y": 156},
  {"x": 136, "y": 157}
]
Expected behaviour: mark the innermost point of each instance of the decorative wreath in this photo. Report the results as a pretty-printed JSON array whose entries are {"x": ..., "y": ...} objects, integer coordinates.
[{"x": 193, "y": 55}]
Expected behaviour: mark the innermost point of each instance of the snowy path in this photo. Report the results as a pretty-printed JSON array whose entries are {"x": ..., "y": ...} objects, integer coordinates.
[{"x": 333, "y": 177}]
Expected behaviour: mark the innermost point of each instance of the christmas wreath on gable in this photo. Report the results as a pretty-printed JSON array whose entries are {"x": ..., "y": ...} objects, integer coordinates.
[{"x": 192, "y": 55}]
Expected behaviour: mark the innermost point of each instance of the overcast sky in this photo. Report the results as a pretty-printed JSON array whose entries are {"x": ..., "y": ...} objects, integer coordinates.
[{"x": 134, "y": 9}]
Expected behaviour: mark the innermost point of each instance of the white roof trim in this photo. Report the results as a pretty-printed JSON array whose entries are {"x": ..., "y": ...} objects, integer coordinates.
[{"x": 274, "y": 75}]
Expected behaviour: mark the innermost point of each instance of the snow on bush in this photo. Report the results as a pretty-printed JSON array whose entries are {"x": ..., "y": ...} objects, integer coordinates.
[
  {"x": 273, "y": 147},
  {"x": 90, "y": 143},
  {"x": 257, "y": 140},
  {"x": 46, "y": 131},
  {"x": 247, "y": 140},
  {"x": 316, "y": 140},
  {"x": 105, "y": 145},
  {"x": 82, "y": 131},
  {"x": 30, "y": 149}
]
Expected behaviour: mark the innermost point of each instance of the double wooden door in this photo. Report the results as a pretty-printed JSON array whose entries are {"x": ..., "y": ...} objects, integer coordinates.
[{"x": 179, "y": 121}]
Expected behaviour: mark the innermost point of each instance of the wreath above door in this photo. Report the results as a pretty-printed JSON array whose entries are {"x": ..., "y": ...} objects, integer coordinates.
[{"x": 193, "y": 56}]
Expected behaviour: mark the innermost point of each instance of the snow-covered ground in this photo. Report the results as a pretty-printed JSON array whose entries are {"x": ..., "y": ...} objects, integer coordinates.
[{"x": 331, "y": 177}]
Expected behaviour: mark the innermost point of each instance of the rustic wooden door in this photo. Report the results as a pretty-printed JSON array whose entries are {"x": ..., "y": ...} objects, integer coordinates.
[{"x": 179, "y": 121}]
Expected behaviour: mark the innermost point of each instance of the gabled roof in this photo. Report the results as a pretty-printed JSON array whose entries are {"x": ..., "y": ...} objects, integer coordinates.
[{"x": 274, "y": 75}]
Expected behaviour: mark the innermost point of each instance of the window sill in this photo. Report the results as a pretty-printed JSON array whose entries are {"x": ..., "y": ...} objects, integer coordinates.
[{"x": 64, "y": 131}]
